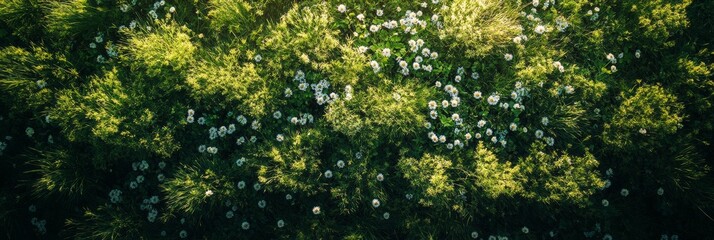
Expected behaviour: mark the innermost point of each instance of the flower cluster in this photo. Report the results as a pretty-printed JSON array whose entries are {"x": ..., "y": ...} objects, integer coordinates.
[{"x": 115, "y": 196}]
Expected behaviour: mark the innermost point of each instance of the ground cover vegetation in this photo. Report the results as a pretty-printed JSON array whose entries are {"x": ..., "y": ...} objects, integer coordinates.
[{"x": 356, "y": 119}]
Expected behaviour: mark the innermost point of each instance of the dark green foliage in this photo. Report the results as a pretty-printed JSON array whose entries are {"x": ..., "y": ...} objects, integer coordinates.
[
  {"x": 376, "y": 119},
  {"x": 31, "y": 78},
  {"x": 66, "y": 174},
  {"x": 645, "y": 120},
  {"x": 105, "y": 223}
]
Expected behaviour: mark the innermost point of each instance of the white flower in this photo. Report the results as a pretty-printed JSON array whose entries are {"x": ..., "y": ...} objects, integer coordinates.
[
  {"x": 434, "y": 138},
  {"x": 494, "y": 139},
  {"x": 544, "y": 121},
  {"x": 316, "y": 210},
  {"x": 550, "y": 141},
  {"x": 258, "y": 58},
  {"x": 386, "y": 52},
  {"x": 241, "y": 119},
  {"x": 202, "y": 148},
  {"x": 607, "y": 184},
  {"x": 209, "y": 193},
  {"x": 569, "y": 89},
  {"x": 477, "y": 135},
  {"x": 474, "y": 234},
  {"x": 240, "y": 141},
  {"x": 241, "y": 184},
  {"x": 374, "y": 28},
  {"x": 432, "y": 105},
  {"x": 281, "y": 223},
  {"x": 328, "y": 174},
  {"x": 643, "y": 131},
  {"x": 449, "y": 88},
  {"x": 262, "y": 203},
  {"x": 341, "y": 8},
  {"x": 380, "y": 177},
  {"x": 493, "y": 99},
  {"x": 288, "y": 197},
  {"x": 660, "y": 191},
  {"x": 489, "y": 132},
  {"x": 624, "y": 192},
  {"x": 183, "y": 234},
  {"x": 481, "y": 123},
  {"x": 513, "y": 127},
  {"x": 477, "y": 94},
  {"x": 362, "y": 49},
  {"x": 380, "y": 12},
  {"x": 540, "y": 29},
  {"x": 256, "y": 186},
  {"x": 212, "y": 150},
  {"x": 508, "y": 56},
  {"x": 425, "y": 52},
  {"x": 613, "y": 68},
  {"x": 607, "y": 237},
  {"x": 455, "y": 116},
  {"x": 538, "y": 134},
  {"x": 29, "y": 131},
  {"x": 245, "y": 225},
  {"x": 517, "y": 40},
  {"x": 240, "y": 162},
  {"x": 340, "y": 164},
  {"x": 525, "y": 230},
  {"x": 637, "y": 53},
  {"x": 442, "y": 139},
  {"x": 434, "y": 55},
  {"x": 375, "y": 66},
  {"x": 386, "y": 215},
  {"x": 201, "y": 120},
  {"x": 605, "y": 203},
  {"x": 360, "y": 17},
  {"x": 611, "y": 58},
  {"x": 375, "y": 203},
  {"x": 279, "y": 137},
  {"x": 419, "y": 42}
]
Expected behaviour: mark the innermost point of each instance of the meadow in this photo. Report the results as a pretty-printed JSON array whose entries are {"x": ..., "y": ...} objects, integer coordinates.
[{"x": 356, "y": 119}]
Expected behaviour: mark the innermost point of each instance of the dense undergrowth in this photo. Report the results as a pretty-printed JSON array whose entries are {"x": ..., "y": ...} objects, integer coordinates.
[{"x": 356, "y": 119}]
